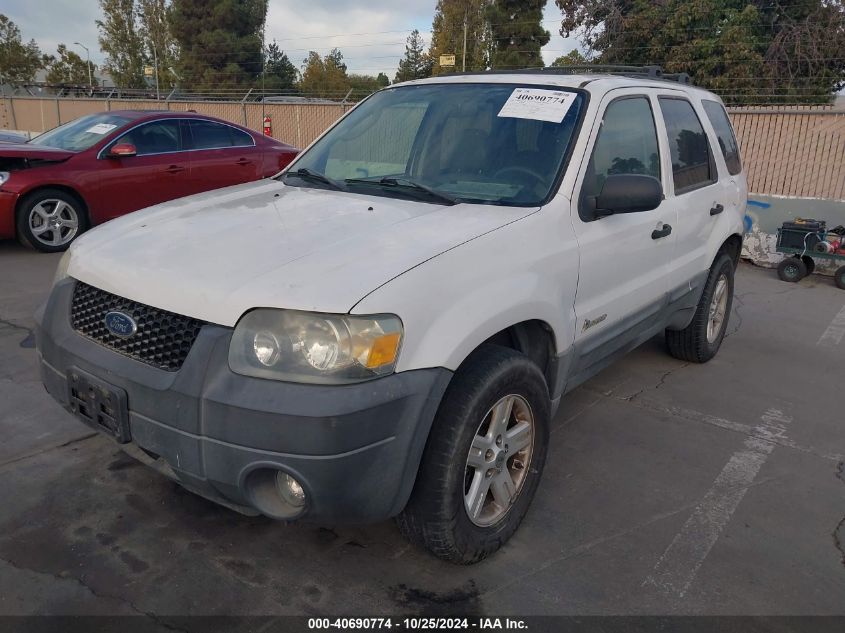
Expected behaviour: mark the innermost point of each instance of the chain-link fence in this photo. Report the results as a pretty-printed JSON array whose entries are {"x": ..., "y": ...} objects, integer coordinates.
[
  {"x": 297, "y": 121},
  {"x": 788, "y": 150}
]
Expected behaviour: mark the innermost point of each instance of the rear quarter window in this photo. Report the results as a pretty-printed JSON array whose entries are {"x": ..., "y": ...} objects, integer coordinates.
[{"x": 725, "y": 133}]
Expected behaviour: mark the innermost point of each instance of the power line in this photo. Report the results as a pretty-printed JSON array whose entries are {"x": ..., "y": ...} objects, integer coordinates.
[{"x": 663, "y": 28}]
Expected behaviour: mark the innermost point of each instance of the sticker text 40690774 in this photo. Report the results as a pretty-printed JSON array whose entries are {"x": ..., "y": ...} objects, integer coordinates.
[{"x": 538, "y": 104}]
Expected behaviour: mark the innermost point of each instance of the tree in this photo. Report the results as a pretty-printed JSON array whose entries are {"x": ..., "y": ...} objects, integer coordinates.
[
  {"x": 416, "y": 64},
  {"x": 120, "y": 41},
  {"x": 324, "y": 77},
  {"x": 447, "y": 37},
  {"x": 382, "y": 80},
  {"x": 517, "y": 33},
  {"x": 68, "y": 68},
  {"x": 335, "y": 57},
  {"x": 220, "y": 42},
  {"x": 572, "y": 58},
  {"x": 159, "y": 46},
  {"x": 363, "y": 86},
  {"x": 18, "y": 61},
  {"x": 749, "y": 51},
  {"x": 279, "y": 73}
]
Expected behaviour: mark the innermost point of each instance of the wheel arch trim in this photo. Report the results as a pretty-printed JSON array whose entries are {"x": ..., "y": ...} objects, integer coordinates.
[{"x": 23, "y": 195}]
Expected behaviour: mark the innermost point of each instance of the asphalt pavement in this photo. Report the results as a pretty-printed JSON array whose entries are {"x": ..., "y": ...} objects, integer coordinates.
[{"x": 670, "y": 489}]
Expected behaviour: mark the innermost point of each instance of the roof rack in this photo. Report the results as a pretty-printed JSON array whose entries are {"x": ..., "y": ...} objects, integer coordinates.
[{"x": 649, "y": 72}]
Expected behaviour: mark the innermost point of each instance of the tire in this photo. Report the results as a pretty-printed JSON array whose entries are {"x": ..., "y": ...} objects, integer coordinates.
[
  {"x": 437, "y": 516},
  {"x": 839, "y": 277},
  {"x": 701, "y": 339},
  {"x": 810, "y": 263},
  {"x": 44, "y": 207},
  {"x": 792, "y": 269}
]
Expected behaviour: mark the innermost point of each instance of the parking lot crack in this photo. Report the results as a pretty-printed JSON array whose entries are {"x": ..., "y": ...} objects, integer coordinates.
[
  {"x": 839, "y": 530},
  {"x": 21, "y": 458},
  {"x": 666, "y": 375},
  {"x": 5, "y": 323},
  {"x": 662, "y": 381},
  {"x": 28, "y": 340},
  {"x": 97, "y": 594}
]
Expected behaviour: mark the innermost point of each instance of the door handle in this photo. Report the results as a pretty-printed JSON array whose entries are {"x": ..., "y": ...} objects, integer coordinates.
[
  {"x": 717, "y": 209},
  {"x": 174, "y": 169},
  {"x": 243, "y": 161},
  {"x": 656, "y": 234}
]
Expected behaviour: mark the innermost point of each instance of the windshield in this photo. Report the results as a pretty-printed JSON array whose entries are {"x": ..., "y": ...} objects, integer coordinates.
[
  {"x": 478, "y": 143},
  {"x": 82, "y": 133}
]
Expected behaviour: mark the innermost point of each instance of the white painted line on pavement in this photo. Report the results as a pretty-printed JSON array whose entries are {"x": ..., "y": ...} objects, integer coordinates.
[
  {"x": 836, "y": 330},
  {"x": 730, "y": 425},
  {"x": 677, "y": 567}
]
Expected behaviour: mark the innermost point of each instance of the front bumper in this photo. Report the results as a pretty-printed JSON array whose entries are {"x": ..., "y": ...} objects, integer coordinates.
[{"x": 355, "y": 448}]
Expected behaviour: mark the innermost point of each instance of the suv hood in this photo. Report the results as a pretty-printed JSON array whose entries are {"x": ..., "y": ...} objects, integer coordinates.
[{"x": 219, "y": 254}]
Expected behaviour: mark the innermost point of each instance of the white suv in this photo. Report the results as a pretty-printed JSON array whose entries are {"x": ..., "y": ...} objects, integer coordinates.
[{"x": 386, "y": 328}]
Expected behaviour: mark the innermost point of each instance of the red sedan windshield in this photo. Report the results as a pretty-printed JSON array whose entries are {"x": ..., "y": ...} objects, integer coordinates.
[{"x": 82, "y": 133}]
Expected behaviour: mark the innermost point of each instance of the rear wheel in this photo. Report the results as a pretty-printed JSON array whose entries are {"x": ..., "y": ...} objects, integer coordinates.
[
  {"x": 701, "y": 339},
  {"x": 483, "y": 459},
  {"x": 839, "y": 277},
  {"x": 792, "y": 269},
  {"x": 48, "y": 220}
]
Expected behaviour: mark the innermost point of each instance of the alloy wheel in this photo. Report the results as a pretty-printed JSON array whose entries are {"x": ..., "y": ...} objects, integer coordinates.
[
  {"x": 498, "y": 460},
  {"x": 718, "y": 309},
  {"x": 53, "y": 222}
]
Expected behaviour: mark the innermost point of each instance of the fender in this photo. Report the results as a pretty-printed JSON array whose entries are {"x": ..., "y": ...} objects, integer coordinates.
[{"x": 527, "y": 270}]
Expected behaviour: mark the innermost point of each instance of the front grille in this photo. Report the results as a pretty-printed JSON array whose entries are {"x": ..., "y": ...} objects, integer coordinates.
[{"x": 163, "y": 339}]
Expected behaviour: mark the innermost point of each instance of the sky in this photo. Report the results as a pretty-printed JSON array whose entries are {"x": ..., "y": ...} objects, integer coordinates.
[{"x": 370, "y": 34}]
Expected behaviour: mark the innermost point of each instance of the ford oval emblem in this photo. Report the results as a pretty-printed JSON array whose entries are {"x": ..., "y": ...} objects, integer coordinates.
[{"x": 120, "y": 324}]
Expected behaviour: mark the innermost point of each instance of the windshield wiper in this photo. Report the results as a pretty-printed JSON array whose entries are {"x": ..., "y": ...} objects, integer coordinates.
[
  {"x": 306, "y": 174},
  {"x": 406, "y": 183}
]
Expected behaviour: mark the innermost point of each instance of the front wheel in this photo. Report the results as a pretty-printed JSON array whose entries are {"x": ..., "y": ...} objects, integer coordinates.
[
  {"x": 483, "y": 459},
  {"x": 702, "y": 338},
  {"x": 792, "y": 269},
  {"x": 49, "y": 220}
]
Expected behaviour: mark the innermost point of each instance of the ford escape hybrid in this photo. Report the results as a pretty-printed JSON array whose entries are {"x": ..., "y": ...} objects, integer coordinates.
[{"x": 386, "y": 328}]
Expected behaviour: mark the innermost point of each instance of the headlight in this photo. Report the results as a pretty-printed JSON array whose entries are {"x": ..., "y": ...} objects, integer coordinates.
[
  {"x": 4, "y": 176},
  {"x": 61, "y": 269},
  {"x": 315, "y": 348}
]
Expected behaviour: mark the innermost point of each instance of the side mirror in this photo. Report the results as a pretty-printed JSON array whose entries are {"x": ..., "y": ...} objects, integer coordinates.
[
  {"x": 628, "y": 193},
  {"x": 122, "y": 150}
]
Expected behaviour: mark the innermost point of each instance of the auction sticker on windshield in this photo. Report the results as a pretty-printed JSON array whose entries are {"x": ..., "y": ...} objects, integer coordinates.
[
  {"x": 538, "y": 104},
  {"x": 100, "y": 128}
]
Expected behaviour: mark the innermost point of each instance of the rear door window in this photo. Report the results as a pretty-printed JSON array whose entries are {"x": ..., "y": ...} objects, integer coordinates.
[
  {"x": 692, "y": 164},
  {"x": 725, "y": 133},
  {"x": 211, "y": 135}
]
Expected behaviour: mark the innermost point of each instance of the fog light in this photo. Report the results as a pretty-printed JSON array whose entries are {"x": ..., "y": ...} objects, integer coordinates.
[{"x": 290, "y": 490}]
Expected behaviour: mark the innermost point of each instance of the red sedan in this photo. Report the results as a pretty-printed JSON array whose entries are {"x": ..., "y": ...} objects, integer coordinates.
[{"x": 104, "y": 165}]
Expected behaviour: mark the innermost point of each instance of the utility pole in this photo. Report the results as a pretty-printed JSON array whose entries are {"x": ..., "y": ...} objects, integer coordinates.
[
  {"x": 464, "y": 64},
  {"x": 155, "y": 65},
  {"x": 88, "y": 56}
]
